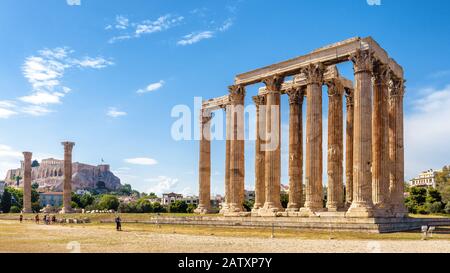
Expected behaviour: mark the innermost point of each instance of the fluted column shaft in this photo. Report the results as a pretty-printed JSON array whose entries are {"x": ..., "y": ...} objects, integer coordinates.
[
  {"x": 237, "y": 166},
  {"x": 335, "y": 200},
  {"x": 380, "y": 137},
  {"x": 259, "y": 152},
  {"x": 272, "y": 146},
  {"x": 396, "y": 148},
  {"x": 349, "y": 149},
  {"x": 204, "y": 205},
  {"x": 296, "y": 96},
  {"x": 67, "y": 187},
  {"x": 362, "y": 205},
  {"x": 314, "y": 167},
  {"x": 27, "y": 183}
]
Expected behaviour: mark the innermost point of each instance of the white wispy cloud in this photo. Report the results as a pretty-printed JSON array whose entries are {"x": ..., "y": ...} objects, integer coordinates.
[
  {"x": 226, "y": 25},
  {"x": 195, "y": 37},
  {"x": 427, "y": 132},
  {"x": 9, "y": 159},
  {"x": 152, "y": 87},
  {"x": 73, "y": 2},
  {"x": 115, "y": 113},
  {"x": 36, "y": 110},
  {"x": 146, "y": 161},
  {"x": 162, "y": 184},
  {"x": 129, "y": 30},
  {"x": 6, "y": 109},
  {"x": 45, "y": 72}
]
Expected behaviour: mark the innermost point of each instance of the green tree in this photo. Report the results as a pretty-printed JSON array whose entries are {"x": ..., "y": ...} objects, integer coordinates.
[
  {"x": 447, "y": 208},
  {"x": 76, "y": 198},
  {"x": 35, "y": 163},
  {"x": 35, "y": 186},
  {"x": 158, "y": 208},
  {"x": 248, "y": 205},
  {"x": 191, "y": 208},
  {"x": 284, "y": 200},
  {"x": 178, "y": 207},
  {"x": 108, "y": 202},
  {"x": 15, "y": 209},
  {"x": 86, "y": 200},
  {"x": 6, "y": 201},
  {"x": 144, "y": 206},
  {"x": 152, "y": 195},
  {"x": 125, "y": 190}
]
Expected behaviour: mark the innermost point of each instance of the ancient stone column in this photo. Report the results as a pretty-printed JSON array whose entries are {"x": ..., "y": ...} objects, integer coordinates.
[
  {"x": 237, "y": 165},
  {"x": 67, "y": 184},
  {"x": 313, "y": 166},
  {"x": 204, "y": 204},
  {"x": 260, "y": 194},
  {"x": 296, "y": 96},
  {"x": 225, "y": 204},
  {"x": 335, "y": 194},
  {"x": 272, "y": 147},
  {"x": 380, "y": 139},
  {"x": 27, "y": 183},
  {"x": 396, "y": 148},
  {"x": 349, "y": 149},
  {"x": 362, "y": 205}
]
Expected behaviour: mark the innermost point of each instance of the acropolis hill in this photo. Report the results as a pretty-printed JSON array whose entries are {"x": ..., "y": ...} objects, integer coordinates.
[{"x": 50, "y": 175}]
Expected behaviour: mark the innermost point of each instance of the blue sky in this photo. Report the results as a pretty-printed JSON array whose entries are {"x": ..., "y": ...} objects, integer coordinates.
[{"x": 107, "y": 74}]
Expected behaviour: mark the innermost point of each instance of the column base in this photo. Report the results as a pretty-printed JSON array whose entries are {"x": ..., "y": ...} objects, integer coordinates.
[
  {"x": 309, "y": 212},
  {"x": 382, "y": 210},
  {"x": 334, "y": 206},
  {"x": 399, "y": 211},
  {"x": 360, "y": 210},
  {"x": 202, "y": 210},
  {"x": 269, "y": 209},
  {"x": 293, "y": 207},
  {"x": 27, "y": 211}
]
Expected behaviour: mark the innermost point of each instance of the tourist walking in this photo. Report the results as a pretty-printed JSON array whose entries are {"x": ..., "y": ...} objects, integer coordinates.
[
  {"x": 36, "y": 218},
  {"x": 21, "y": 218},
  {"x": 118, "y": 223}
]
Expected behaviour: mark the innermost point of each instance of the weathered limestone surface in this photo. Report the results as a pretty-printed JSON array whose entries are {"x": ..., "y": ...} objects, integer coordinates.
[
  {"x": 335, "y": 194},
  {"x": 349, "y": 148},
  {"x": 272, "y": 147},
  {"x": 396, "y": 148},
  {"x": 313, "y": 171},
  {"x": 259, "y": 153},
  {"x": 237, "y": 166},
  {"x": 67, "y": 193},
  {"x": 296, "y": 96},
  {"x": 225, "y": 205},
  {"x": 27, "y": 183},
  {"x": 380, "y": 139},
  {"x": 362, "y": 205},
  {"x": 204, "y": 205}
]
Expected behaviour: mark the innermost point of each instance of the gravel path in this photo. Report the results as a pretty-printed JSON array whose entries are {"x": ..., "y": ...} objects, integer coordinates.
[{"x": 41, "y": 238}]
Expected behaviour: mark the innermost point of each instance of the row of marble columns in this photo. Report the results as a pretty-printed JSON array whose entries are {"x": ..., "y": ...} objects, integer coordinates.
[
  {"x": 374, "y": 169},
  {"x": 67, "y": 182}
]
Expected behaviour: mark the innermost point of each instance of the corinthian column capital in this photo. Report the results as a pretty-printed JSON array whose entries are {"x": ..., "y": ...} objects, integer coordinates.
[
  {"x": 381, "y": 73},
  {"x": 296, "y": 95},
  {"x": 396, "y": 88},
  {"x": 273, "y": 83},
  {"x": 349, "y": 97},
  {"x": 335, "y": 88},
  {"x": 363, "y": 61},
  {"x": 68, "y": 146},
  {"x": 259, "y": 100},
  {"x": 237, "y": 93},
  {"x": 313, "y": 73}
]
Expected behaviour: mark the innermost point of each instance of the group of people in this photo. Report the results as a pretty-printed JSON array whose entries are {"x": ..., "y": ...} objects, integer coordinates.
[{"x": 47, "y": 219}]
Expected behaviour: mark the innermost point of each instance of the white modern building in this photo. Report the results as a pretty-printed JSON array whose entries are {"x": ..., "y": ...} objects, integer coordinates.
[
  {"x": 425, "y": 179},
  {"x": 169, "y": 198}
]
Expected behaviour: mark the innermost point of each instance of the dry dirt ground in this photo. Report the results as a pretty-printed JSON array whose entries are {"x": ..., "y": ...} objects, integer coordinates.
[{"x": 29, "y": 237}]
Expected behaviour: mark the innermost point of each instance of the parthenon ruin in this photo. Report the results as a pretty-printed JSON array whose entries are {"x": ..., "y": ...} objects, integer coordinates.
[{"x": 370, "y": 185}]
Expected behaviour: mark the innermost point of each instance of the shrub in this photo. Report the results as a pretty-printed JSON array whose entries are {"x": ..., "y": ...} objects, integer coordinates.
[
  {"x": 447, "y": 208},
  {"x": 435, "y": 207},
  {"x": 178, "y": 207},
  {"x": 191, "y": 208},
  {"x": 108, "y": 202},
  {"x": 158, "y": 208},
  {"x": 422, "y": 210},
  {"x": 15, "y": 209}
]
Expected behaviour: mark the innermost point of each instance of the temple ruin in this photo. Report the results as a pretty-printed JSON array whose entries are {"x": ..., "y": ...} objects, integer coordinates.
[{"x": 373, "y": 175}]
